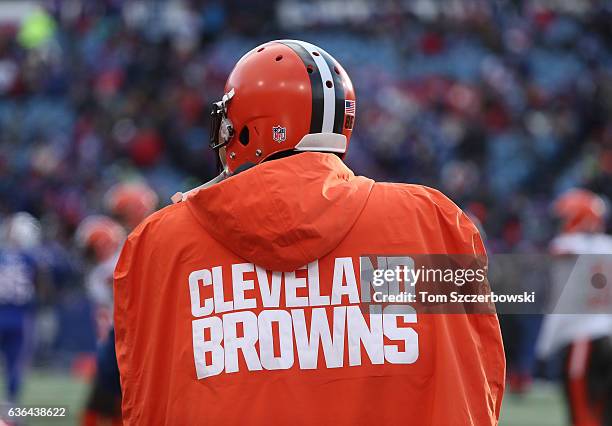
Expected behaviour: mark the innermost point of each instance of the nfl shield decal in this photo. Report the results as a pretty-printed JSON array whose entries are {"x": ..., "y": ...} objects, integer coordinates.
[{"x": 279, "y": 134}]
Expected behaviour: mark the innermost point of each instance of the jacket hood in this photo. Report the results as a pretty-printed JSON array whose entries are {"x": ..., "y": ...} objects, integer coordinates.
[{"x": 283, "y": 214}]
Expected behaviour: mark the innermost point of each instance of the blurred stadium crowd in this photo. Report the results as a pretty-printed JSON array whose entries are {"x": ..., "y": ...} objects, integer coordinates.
[{"x": 500, "y": 104}]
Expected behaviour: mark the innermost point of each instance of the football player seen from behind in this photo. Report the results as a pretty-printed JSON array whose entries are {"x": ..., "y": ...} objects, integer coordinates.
[{"x": 242, "y": 302}]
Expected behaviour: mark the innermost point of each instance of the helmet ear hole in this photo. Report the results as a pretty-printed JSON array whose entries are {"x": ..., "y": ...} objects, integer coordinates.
[{"x": 244, "y": 136}]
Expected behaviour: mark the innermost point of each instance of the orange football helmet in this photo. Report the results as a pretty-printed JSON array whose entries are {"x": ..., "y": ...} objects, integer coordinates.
[
  {"x": 580, "y": 210},
  {"x": 131, "y": 202},
  {"x": 101, "y": 235},
  {"x": 284, "y": 95}
]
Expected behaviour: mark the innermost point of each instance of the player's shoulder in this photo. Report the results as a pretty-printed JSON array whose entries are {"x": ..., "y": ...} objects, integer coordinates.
[
  {"x": 605, "y": 241},
  {"x": 163, "y": 223},
  {"x": 415, "y": 196},
  {"x": 444, "y": 226},
  {"x": 153, "y": 236},
  {"x": 581, "y": 243}
]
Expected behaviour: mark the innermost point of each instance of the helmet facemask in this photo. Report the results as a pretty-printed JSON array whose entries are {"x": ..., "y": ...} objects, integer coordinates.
[{"x": 221, "y": 127}]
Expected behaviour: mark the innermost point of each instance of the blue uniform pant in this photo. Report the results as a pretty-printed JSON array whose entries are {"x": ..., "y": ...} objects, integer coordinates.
[{"x": 12, "y": 348}]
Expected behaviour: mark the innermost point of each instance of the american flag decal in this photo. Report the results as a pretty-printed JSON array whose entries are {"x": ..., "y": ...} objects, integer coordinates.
[{"x": 349, "y": 107}]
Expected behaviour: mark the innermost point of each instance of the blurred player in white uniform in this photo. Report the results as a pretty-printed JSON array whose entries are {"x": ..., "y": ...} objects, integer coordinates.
[
  {"x": 128, "y": 204},
  {"x": 100, "y": 238},
  {"x": 580, "y": 323}
]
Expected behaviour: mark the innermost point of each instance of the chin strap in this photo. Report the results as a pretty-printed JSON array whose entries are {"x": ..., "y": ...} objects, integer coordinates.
[{"x": 182, "y": 196}]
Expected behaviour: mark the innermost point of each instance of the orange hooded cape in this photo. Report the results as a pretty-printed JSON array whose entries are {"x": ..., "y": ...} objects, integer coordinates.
[{"x": 207, "y": 334}]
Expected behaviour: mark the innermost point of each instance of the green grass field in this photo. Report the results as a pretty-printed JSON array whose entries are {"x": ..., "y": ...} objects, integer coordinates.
[
  {"x": 541, "y": 407},
  {"x": 52, "y": 389}
]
